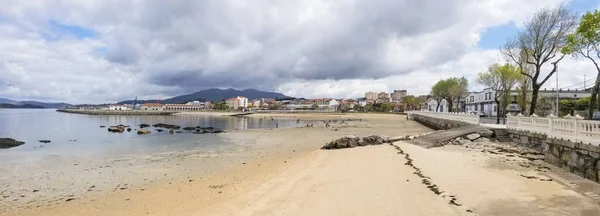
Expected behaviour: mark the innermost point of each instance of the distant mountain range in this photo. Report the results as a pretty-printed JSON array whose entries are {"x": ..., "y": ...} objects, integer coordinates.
[
  {"x": 20, "y": 106},
  {"x": 33, "y": 104},
  {"x": 213, "y": 94}
]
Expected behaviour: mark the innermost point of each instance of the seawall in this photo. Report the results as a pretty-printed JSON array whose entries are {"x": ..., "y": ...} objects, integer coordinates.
[
  {"x": 578, "y": 158},
  {"x": 436, "y": 123},
  {"x": 116, "y": 112}
]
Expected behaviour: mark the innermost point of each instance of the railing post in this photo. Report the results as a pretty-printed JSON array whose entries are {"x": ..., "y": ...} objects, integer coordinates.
[
  {"x": 550, "y": 125},
  {"x": 577, "y": 119}
]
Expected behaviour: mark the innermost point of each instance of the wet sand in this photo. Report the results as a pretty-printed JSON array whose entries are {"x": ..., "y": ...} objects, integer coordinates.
[{"x": 283, "y": 172}]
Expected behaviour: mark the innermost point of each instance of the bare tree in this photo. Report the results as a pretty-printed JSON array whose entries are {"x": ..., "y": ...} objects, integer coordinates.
[{"x": 540, "y": 43}]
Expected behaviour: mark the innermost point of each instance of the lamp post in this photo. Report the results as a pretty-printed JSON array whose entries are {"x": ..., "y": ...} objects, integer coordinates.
[{"x": 557, "y": 92}]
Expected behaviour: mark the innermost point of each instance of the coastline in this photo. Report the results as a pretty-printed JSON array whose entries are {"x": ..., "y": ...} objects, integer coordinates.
[
  {"x": 284, "y": 172},
  {"x": 267, "y": 149}
]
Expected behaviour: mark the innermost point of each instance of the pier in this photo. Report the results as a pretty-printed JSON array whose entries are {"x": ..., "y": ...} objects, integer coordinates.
[{"x": 116, "y": 112}]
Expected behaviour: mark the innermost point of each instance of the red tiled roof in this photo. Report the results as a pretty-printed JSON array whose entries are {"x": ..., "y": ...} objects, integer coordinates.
[{"x": 151, "y": 104}]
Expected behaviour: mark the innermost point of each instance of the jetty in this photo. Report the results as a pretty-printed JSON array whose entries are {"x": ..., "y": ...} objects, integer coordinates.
[
  {"x": 243, "y": 113},
  {"x": 116, "y": 112}
]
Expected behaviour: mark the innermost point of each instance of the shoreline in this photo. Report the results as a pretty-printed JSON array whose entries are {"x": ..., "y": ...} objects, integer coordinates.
[
  {"x": 271, "y": 148},
  {"x": 284, "y": 172}
]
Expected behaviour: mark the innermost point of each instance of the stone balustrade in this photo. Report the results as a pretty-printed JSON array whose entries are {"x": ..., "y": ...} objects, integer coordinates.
[
  {"x": 453, "y": 116},
  {"x": 572, "y": 128}
]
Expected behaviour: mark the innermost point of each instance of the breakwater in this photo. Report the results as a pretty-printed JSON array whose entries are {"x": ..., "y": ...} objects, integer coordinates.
[{"x": 116, "y": 112}]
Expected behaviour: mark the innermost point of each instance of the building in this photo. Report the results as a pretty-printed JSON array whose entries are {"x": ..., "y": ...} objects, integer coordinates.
[
  {"x": 152, "y": 107},
  {"x": 383, "y": 96},
  {"x": 119, "y": 107},
  {"x": 242, "y": 101},
  {"x": 398, "y": 95},
  {"x": 324, "y": 103},
  {"x": 432, "y": 105},
  {"x": 370, "y": 96},
  {"x": 256, "y": 104},
  {"x": 184, "y": 107},
  {"x": 484, "y": 101},
  {"x": 232, "y": 103}
]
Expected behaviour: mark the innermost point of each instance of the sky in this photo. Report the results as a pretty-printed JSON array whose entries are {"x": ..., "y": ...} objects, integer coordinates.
[{"x": 112, "y": 50}]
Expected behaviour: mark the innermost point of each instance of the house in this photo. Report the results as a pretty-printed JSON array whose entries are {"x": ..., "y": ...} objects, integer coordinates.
[
  {"x": 152, "y": 107},
  {"x": 118, "y": 107},
  {"x": 242, "y": 101},
  {"x": 432, "y": 105},
  {"x": 482, "y": 102},
  {"x": 325, "y": 103},
  {"x": 232, "y": 103}
]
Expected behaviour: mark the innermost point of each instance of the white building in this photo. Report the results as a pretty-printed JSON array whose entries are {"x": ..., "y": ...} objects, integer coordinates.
[
  {"x": 482, "y": 102},
  {"x": 119, "y": 107},
  {"x": 432, "y": 106},
  {"x": 242, "y": 101}
]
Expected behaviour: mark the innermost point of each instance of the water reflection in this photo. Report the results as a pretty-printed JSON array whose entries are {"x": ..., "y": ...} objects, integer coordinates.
[{"x": 92, "y": 141}]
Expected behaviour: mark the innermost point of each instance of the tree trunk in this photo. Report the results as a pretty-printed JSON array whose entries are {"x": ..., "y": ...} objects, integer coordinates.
[
  {"x": 439, "y": 102},
  {"x": 497, "y": 111},
  {"x": 450, "y": 105},
  {"x": 593, "y": 98},
  {"x": 534, "y": 97}
]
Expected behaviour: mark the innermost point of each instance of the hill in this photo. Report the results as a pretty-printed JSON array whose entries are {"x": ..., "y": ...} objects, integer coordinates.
[
  {"x": 20, "y": 106},
  {"x": 35, "y": 103},
  {"x": 214, "y": 94},
  {"x": 4, "y": 100},
  {"x": 45, "y": 105}
]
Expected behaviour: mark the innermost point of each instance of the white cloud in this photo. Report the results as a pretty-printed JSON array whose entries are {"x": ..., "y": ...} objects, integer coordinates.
[{"x": 312, "y": 48}]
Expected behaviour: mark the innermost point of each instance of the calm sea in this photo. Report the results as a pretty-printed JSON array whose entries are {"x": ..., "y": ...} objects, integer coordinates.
[{"x": 81, "y": 135}]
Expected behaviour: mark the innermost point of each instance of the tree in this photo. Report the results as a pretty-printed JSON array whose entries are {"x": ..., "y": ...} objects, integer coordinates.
[
  {"x": 314, "y": 106},
  {"x": 501, "y": 79},
  {"x": 409, "y": 100},
  {"x": 457, "y": 89},
  {"x": 221, "y": 105},
  {"x": 585, "y": 42},
  {"x": 539, "y": 43},
  {"x": 440, "y": 91}
]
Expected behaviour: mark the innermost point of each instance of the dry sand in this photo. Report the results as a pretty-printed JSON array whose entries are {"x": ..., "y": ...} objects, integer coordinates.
[{"x": 283, "y": 172}]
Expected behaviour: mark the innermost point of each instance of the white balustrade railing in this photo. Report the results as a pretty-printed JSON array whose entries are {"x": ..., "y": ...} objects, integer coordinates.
[
  {"x": 463, "y": 117},
  {"x": 569, "y": 128}
]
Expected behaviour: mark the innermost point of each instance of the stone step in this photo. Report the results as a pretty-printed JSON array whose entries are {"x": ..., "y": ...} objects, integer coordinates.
[{"x": 502, "y": 135}]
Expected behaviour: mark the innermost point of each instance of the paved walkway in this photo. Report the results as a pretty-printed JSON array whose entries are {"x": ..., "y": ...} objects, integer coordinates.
[{"x": 436, "y": 139}]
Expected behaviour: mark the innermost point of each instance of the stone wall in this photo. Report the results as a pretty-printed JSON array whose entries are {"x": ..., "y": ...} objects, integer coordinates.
[
  {"x": 578, "y": 158},
  {"x": 437, "y": 123}
]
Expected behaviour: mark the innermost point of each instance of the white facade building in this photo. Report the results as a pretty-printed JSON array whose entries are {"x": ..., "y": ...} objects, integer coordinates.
[
  {"x": 482, "y": 102},
  {"x": 242, "y": 101},
  {"x": 432, "y": 106},
  {"x": 119, "y": 107}
]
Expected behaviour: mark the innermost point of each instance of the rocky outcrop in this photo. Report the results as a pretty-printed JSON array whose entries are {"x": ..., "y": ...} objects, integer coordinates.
[
  {"x": 128, "y": 129},
  {"x": 44, "y": 141},
  {"x": 9, "y": 143},
  {"x": 142, "y": 132},
  {"x": 473, "y": 136},
  {"x": 144, "y": 125},
  {"x": 116, "y": 129},
  {"x": 167, "y": 126},
  {"x": 171, "y": 131},
  {"x": 487, "y": 133},
  {"x": 353, "y": 141}
]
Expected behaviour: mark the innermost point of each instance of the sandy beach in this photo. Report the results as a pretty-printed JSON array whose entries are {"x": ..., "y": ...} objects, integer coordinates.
[{"x": 284, "y": 172}]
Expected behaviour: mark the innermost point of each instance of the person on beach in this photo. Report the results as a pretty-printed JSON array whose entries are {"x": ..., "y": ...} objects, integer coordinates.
[{"x": 276, "y": 125}]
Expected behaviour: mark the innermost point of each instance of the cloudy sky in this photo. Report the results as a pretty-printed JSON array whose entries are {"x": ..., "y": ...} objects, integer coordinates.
[{"x": 110, "y": 50}]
